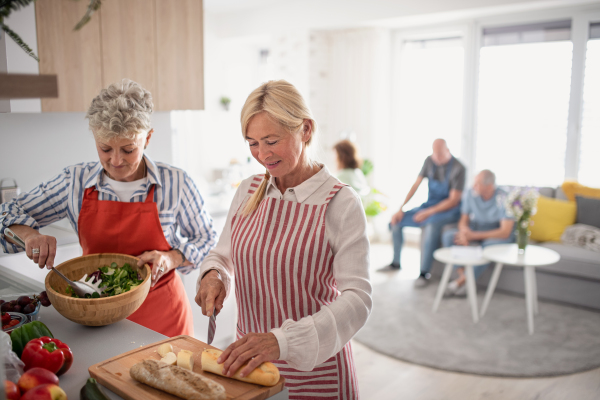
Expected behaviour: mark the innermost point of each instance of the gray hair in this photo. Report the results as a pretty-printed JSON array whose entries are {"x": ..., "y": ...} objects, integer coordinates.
[
  {"x": 121, "y": 110},
  {"x": 488, "y": 177}
]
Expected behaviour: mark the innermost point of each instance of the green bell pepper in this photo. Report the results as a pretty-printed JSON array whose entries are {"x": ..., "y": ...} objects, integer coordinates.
[{"x": 23, "y": 334}]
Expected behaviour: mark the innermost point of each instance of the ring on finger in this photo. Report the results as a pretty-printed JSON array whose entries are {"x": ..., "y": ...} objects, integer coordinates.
[
  {"x": 161, "y": 269},
  {"x": 35, "y": 251}
]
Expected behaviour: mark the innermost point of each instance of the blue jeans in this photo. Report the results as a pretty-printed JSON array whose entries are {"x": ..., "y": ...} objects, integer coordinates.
[
  {"x": 432, "y": 233},
  {"x": 448, "y": 241}
]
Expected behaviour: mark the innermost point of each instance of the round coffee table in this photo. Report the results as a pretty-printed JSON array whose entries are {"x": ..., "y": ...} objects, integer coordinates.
[
  {"x": 532, "y": 257},
  {"x": 445, "y": 256}
]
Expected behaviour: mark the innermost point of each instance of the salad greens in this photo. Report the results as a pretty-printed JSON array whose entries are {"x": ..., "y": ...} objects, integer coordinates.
[{"x": 116, "y": 280}]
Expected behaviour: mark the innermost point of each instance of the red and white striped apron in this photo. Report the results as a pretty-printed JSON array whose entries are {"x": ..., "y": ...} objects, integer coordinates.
[{"x": 284, "y": 270}]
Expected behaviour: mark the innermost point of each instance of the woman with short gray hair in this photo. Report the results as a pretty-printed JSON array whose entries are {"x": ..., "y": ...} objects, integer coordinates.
[{"x": 123, "y": 203}]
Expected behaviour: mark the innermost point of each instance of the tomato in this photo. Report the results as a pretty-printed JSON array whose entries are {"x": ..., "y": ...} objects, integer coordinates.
[{"x": 14, "y": 322}]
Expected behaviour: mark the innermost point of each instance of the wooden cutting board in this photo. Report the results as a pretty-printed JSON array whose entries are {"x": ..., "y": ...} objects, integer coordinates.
[{"x": 114, "y": 373}]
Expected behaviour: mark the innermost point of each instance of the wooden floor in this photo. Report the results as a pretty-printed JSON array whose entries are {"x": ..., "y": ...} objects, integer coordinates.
[
  {"x": 381, "y": 377},
  {"x": 384, "y": 378}
]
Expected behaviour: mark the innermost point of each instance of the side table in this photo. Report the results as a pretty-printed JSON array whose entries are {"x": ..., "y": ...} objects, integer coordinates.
[
  {"x": 532, "y": 257},
  {"x": 445, "y": 256}
]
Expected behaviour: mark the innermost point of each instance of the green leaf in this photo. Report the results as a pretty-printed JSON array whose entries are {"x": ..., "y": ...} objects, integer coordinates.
[
  {"x": 367, "y": 167},
  {"x": 92, "y": 8},
  {"x": 13, "y": 35}
]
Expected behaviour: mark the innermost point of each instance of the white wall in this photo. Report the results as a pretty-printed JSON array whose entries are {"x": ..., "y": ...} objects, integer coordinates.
[
  {"x": 211, "y": 139},
  {"x": 23, "y": 23},
  {"x": 350, "y": 92}
]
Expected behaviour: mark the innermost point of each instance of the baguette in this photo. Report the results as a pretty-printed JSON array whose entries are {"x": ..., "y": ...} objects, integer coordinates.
[
  {"x": 177, "y": 381},
  {"x": 265, "y": 374}
]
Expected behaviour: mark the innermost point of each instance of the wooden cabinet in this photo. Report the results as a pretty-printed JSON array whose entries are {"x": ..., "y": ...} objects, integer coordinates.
[
  {"x": 74, "y": 56},
  {"x": 180, "y": 55},
  {"x": 157, "y": 43},
  {"x": 129, "y": 43}
]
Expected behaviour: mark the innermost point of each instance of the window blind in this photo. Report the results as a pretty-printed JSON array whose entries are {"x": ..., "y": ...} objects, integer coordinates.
[{"x": 529, "y": 33}]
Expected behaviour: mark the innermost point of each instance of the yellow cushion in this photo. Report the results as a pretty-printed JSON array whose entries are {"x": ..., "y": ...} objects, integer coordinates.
[
  {"x": 573, "y": 189},
  {"x": 552, "y": 218}
]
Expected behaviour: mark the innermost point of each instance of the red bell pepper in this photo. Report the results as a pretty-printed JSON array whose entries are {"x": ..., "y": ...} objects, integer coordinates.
[{"x": 47, "y": 353}]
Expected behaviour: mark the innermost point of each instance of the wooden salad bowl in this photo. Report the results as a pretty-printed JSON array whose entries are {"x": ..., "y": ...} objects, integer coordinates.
[{"x": 99, "y": 311}]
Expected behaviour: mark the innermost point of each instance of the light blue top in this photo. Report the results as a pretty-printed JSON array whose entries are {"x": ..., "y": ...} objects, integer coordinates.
[
  {"x": 484, "y": 212},
  {"x": 356, "y": 179}
]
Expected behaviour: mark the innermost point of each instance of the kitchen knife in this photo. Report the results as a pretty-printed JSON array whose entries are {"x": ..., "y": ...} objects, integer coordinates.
[{"x": 212, "y": 326}]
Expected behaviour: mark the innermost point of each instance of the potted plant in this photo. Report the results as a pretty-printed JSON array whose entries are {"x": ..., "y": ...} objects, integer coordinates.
[{"x": 225, "y": 101}]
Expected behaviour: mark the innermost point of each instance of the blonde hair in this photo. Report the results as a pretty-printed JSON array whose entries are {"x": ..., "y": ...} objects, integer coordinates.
[
  {"x": 121, "y": 110},
  {"x": 285, "y": 105}
]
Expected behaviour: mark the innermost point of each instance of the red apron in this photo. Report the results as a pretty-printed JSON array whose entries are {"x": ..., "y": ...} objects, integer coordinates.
[{"x": 133, "y": 228}]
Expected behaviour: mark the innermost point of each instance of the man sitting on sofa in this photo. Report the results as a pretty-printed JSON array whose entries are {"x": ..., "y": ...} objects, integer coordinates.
[
  {"x": 483, "y": 221},
  {"x": 446, "y": 180}
]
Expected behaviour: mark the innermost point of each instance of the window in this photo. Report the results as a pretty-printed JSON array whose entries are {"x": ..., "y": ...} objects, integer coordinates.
[
  {"x": 429, "y": 106},
  {"x": 589, "y": 162},
  {"x": 523, "y": 103}
]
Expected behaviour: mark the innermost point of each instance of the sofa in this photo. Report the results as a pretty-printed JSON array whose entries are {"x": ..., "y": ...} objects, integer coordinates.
[{"x": 574, "y": 280}]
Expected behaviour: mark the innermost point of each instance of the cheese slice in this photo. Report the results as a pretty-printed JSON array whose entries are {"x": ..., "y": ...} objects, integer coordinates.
[
  {"x": 185, "y": 359},
  {"x": 164, "y": 349},
  {"x": 169, "y": 358}
]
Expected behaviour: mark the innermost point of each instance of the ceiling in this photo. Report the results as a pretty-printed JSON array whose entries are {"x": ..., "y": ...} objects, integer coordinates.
[
  {"x": 226, "y": 6},
  {"x": 234, "y": 18}
]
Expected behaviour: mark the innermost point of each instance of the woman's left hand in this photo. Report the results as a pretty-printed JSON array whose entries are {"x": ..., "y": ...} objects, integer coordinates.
[
  {"x": 162, "y": 262},
  {"x": 254, "y": 348}
]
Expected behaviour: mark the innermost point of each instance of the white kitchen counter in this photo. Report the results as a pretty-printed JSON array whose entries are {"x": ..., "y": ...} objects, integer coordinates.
[{"x": 90, "y": 345}]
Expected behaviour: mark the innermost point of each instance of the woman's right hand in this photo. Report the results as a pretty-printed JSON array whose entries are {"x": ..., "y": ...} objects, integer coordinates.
[
  {"x": 211, "y": 294},
  {"x": 46, "y": 245}
]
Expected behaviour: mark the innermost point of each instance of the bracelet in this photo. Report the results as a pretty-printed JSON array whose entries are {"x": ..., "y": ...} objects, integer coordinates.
[{"x": 212, "y": 269}]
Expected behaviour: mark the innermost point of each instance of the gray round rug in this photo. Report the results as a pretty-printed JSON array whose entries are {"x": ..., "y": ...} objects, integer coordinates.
[{"x": 402, "y": 325}]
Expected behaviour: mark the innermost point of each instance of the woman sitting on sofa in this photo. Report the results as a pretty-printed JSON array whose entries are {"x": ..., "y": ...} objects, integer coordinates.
[{"x": 349, "y": 167}]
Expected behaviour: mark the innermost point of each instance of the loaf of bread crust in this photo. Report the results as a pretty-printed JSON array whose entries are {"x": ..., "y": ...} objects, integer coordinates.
[
  {"x": 265, "y": 374},
  {"x": 177, "y": 381}
]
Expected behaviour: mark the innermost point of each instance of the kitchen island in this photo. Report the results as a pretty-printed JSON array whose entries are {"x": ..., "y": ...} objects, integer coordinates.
[{"x": 90, "y": 345}]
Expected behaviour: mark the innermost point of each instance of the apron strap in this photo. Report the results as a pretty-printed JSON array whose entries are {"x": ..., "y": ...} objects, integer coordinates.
[
  {"x": 256, "y": 181},
  {"x": 448, "y": 169},
  {"x": 91, "y": 193},
  {"x": 336, "y": 188},
  {"x": 150, "y": 196}
]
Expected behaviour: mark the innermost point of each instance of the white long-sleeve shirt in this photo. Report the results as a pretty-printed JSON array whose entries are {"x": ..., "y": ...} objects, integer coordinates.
[{"x": 310, "y": 341}]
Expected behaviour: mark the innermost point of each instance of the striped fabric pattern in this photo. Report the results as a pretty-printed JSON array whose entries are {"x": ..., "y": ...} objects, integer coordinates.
[
  {"x": 283, "y": 268},
  {"x": 180, "y": 206}
]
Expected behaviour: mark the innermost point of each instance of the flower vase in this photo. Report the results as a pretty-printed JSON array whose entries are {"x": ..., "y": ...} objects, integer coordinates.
[{"x": 523, "y": 234}]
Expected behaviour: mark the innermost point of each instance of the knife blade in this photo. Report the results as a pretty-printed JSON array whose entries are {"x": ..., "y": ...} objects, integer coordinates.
[{"x": 212, "y": 326}]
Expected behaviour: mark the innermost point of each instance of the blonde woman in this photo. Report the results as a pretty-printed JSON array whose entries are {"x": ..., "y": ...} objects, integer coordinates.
[
  {"x": 123, "y": 203},
  {"x": 295, "y": 240}
]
